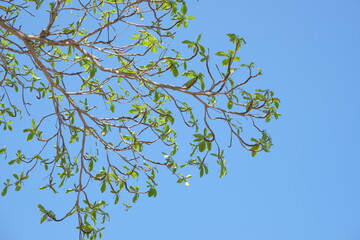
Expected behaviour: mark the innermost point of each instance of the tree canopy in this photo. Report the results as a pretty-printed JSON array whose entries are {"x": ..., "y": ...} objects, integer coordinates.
[{"x": 97, "y": 85}]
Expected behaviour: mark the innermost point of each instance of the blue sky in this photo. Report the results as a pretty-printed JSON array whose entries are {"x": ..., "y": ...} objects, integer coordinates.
[{"x": 306, "y": 188}]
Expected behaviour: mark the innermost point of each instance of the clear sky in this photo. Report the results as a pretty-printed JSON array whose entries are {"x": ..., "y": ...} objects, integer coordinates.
[{"x": 306, "y": 188}]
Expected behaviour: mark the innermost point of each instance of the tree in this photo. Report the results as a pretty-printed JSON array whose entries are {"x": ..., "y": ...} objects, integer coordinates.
[{"x": 111, "y": 89}]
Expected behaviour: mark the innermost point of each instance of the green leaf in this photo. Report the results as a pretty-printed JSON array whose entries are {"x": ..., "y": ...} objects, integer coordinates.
[
  {"x": 202, "y": 84},
  {"x": 253, "y": 149},
  {"x": 92, "y": 72},
  {"x": 183, "y": 9},
  {"x": 41, "y": 208},
  {"x": 187, "y": 42},
  {"x": 30, "y": 136},
  {"x": 136, "y": 197},
  {"x": 199, "y": 136},
  {"x": 3, "y": 150},
  {"x": 112, "y": 107},
  {"x": 4, "y": 191},
  {"x": 69, "y": 30},
  {"x": 43, "y": 187},
  {"x": 134, "y": 174},
  {"x": 222, "y": 54},
  {"x": 206, "y": 169},
  {"x": 87, "y": 228},
  {"x": 208, "y": 145},
  {"x": 70, "y": 50},
  {"x": 12, "y": 162},
  {"x": 198, "y": 38},
  {"x": 277, "y": 104},
  {"x": 174, "y": 71},
  {"x": 116, "y": 199},
  {"x": 223, "y": 170},
  {"x": 202, "y": 146},
  {"x": 230, "y": 104},
  {"x": 202, "y": 51},
  {"x": 156, "y": 96},
  {"x": 15, "y": 176},
  {"x": 91, "y": 165},
  {"x": 152, "y": 192},
  {"x": 154, "y": 49},
  {"x": 254, "y": 153},
  {"x": 43, "y": 218},
  {"x": 190, "y": 83},
  {"x": 103, "y": 187},
  {"x": 201, "y": 170},
  {"x": 225, "y": 62}
]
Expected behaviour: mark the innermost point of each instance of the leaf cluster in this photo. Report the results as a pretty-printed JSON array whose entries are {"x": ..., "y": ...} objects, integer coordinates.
[{"x": 111, "y": 91}]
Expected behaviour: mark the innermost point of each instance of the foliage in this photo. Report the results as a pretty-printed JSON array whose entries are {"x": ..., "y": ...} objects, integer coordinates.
[{"x": 111, "y": 90}]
